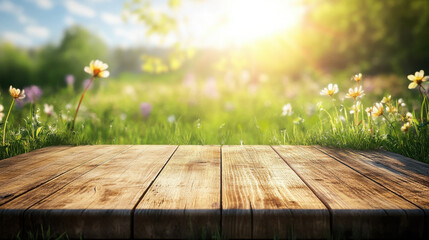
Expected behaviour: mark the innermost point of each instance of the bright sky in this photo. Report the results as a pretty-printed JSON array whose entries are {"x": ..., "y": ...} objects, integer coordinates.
[{"x": 35, "y": 22}]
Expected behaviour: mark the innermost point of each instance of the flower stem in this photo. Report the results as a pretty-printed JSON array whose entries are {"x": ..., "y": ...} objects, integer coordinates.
[
  {"x": 80, "y": 101},
  {"x": 391, "y": 124},
  {"x": 5, "y": 122}
]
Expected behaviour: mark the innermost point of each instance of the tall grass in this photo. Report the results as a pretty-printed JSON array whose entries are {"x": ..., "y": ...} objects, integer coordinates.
[{"x": 228, "y": 110}]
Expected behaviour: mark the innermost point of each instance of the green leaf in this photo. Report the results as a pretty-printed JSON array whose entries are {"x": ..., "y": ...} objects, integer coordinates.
[
  {"x": 174, "y": 3},
  {"x": 38, "y": 131}
]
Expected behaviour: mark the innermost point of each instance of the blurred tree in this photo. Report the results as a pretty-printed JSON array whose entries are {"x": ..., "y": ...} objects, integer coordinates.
[
  {"x": 376, "y": 36},
  {"x": 77, "y": 48},
  {"x": 16, "y": 67},
  {"x": 162, "y": 24}
]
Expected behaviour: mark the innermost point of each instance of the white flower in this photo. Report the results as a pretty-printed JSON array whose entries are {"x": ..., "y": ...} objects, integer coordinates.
[
  {"x": 386, "y": 99},
  {"x": 355, "y": 93},
  {"x": 16, "y": 93},
  {"x": 97, "y": 69},
  {"x": 1, "y": 112},
  {"x": 409, "y": 117},
  {"x": 417, "y": 79},
  {"x": 401, "y": 102},
  {"x": 330, "y": 90},
  {"x": 405, "y": 127},
  {"x": 287, "y": 110},
  {"x": 171, "y": 118},
  {"x": 357, "y": 77},
  {"x": 48, "y": 109},
  {"x": 377, "y": 110}
]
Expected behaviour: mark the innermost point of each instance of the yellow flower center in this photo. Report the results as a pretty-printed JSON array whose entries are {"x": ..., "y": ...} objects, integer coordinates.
[
  {"x": 355, "y": 94},
  {"x": 418, "y": 80},
  {"x": 96, "y": 71}
]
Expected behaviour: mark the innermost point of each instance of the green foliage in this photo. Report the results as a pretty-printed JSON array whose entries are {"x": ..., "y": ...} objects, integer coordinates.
[
  {"x": 49, "y": 65},
  {"x": 111, "y": 115},
  {"x": 77, "y": 48},
  {"x": 16, "y": 66},
  {"x": 377, "y": 36}
]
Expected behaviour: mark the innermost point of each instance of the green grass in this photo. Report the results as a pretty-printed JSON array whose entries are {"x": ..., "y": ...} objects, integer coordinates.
[{"x": 110, "y": 114}]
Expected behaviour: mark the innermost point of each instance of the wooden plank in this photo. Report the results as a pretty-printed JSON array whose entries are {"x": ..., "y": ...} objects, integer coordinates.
[
  {"x": 11, "y": 213},
  {"x": 403, "y": 176},
  {"x": 99, "y": 204},
  {"x": 360, "y": 208},
  {"x": 43, "y": 169},
  {"x": 19, "y": 164},
  {"x": 184, "y": 201},
  {"x": 262, "y": 197}
]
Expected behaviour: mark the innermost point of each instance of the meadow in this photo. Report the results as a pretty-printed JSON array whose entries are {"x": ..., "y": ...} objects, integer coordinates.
[{"x": 227, "y": 108}]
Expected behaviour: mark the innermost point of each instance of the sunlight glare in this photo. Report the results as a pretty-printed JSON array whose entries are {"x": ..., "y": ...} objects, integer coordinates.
[{"x": 247, "y": 21}]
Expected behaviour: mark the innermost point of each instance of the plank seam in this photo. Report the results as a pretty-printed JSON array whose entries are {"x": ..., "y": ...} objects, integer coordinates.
[
  {"x": 221, "y": 193},
  {"x": 50, "y": 179},
  {"x": 388, "y": 189},
  {"x": 251, "y": 220},
  {"x": 22, "y": 220},
  {"x": 312, "y": 189},
  {"x": 147, "y": 189}
]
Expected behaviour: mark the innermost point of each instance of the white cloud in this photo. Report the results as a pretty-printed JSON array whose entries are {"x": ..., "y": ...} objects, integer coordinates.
[
  {"x": 44, "y": 4},
  {"x": 110, "y": 18},
  {"x": 37, "y": 31},
  {"x": 69, "y": 20},
  {"x": 16, "y": 38},
  {"x": 9, "y": 7},
  {"x": 130, "y": 35},
  {"x": 79, "y": 9},
  {"x": 99, "y": 1}
]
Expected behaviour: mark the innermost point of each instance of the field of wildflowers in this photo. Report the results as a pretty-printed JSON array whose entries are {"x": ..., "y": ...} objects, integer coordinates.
[{"x": 232, "y": 108}]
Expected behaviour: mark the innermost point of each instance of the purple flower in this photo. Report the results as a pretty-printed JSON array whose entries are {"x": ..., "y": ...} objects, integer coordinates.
[
  {"x": 87, "y": 83},
  {"x": 210, "y": 88},
  {"x": 70, "y": 80},
  {"x": 145, "y": 109},
  {"x": 33, "y": 93},
  {"x": 189, "y": 81}
]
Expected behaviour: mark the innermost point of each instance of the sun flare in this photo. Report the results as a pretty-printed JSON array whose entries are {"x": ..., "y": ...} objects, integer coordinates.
[
  {"x": 247, "y": 21},
  {"x": 220, "y": 23}
]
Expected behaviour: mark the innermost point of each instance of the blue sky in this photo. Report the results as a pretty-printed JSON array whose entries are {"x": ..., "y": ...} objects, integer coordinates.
[{"x": 31, "y": 23}]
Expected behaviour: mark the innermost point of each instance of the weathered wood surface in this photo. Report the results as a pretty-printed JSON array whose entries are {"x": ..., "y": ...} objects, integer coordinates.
[
  {"x": 184, "y": 201},
  {"x": 360, "y": 208},
  {"x": 403, "y": 176},
  {"x": 238, "y": 191},
  {"x": 263, "y": 197},
  {"x": 99, "y": 203},
  {"x": 15, "y": 208}
]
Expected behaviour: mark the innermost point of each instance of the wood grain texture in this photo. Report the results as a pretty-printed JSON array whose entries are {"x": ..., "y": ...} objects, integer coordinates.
[
  {"x": 184, "y": 200},
  {"x": 114, "y": 191},
  {"x": 403, "y": 176},
  {"x": 23, "y": 163},
  {"x": 42, "y": 168},
  {"x": 11, "y": 213},
  {"x": 99, "y": 203},
  {"x": 262, "y": 197},
  {"x": 360, "y": 208}
]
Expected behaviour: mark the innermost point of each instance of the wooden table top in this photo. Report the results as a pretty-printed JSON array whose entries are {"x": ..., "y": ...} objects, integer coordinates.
[{"x": 166, "y": 191}]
